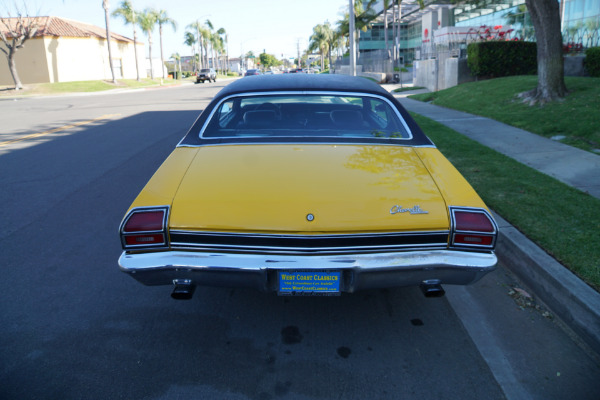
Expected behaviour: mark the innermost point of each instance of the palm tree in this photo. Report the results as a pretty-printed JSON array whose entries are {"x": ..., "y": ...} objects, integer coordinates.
[
  {"x": 147, "y": 21},
  {"x": 162, "y": 18},
  {"x": 223, "y": 35},
  {"x": 364, "y": 15},
  {"x": 204, "y": 42},
  {"x": 106, "y": 6},
  {"x": 212, "y": 40},
  {"x": 199, "y": 39},
  {"x": 177, "y": 58},
  {"x": 190, "y": 40},
  {"x": 320, "y": 41},
  {"x": 128, "y": 14},
  {"x": 217, "y": 46}
]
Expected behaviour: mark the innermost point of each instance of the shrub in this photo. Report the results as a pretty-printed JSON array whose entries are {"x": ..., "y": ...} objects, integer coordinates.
[
  {"x": 592, "y": 61},
  {"x": 502, "y": 58}
]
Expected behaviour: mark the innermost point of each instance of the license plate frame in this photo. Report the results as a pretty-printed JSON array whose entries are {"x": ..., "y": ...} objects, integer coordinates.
[{"x": 309, "y": 282}]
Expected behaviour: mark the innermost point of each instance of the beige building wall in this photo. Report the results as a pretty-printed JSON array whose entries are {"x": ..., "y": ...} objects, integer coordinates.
[
  {"x": 126, "y": 56},
  {"x": 31, "y": 62},
  {"x": 84, "y": 59},
  {"x": 64, "y": 59}
]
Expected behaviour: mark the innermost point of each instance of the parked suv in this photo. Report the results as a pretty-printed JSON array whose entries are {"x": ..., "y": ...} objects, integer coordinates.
[{"x": 207, "y": 74}]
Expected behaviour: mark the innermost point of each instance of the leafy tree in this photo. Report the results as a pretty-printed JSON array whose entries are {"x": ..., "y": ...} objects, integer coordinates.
[
  {"x": 162, "y": 18},
  {"x": 14, "y": 32},
  {"x": 190, "y": 40},
  {"x": 268, "y": 60},
  {"x": 128, "y": 14},
  {"x": 106, "y": 6},
  {"x": 545, "y": 16}
]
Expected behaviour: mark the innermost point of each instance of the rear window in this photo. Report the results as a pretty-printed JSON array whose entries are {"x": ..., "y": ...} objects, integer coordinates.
[{"x": 306, "y": 115}]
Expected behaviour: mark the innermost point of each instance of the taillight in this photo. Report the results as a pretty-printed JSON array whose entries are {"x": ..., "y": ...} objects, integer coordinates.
[
  {"x": 473, "y": 227},
  {"x": 144, "y": 227}
]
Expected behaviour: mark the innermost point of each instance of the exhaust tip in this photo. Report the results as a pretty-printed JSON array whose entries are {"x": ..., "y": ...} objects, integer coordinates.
[
  {"x": 183, "y": 291},
  {"x": 432, "y": 288}
]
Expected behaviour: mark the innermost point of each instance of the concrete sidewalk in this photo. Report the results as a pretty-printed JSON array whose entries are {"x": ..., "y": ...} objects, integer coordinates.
[
  {"x": 575, "y": 167},
  {"x": 571, "y": 299}
]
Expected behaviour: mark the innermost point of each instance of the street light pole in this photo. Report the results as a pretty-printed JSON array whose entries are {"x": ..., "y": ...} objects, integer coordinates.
[{"x": 352, "y": 38}]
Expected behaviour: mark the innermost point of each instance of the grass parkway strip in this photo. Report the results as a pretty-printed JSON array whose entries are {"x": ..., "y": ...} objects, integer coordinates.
[{"x": 562, "y": 220}]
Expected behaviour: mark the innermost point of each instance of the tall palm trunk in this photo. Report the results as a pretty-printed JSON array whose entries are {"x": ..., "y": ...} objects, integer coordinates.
[
  {"x": 106, "y": 6},
  {"x": 137, "y": 66},
  {"x": 162, "y": 57},
  {"x": 150, "y": 55}
]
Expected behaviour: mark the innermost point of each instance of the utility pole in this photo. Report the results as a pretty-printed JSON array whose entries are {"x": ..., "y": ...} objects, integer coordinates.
[{"x": 352, "y": 39}]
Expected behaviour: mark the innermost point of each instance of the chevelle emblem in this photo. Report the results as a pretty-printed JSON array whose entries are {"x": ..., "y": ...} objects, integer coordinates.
[{"x": 414, "y": 210}]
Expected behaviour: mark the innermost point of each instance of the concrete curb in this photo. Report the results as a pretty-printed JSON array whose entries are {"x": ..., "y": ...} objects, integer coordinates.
[
  {"x": 571, "y": 299},
  {"x": 568, "y": 297}
]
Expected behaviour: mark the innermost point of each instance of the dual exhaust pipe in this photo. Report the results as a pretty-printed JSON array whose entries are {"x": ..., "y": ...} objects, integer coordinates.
[{"x": 432, "y": 288}]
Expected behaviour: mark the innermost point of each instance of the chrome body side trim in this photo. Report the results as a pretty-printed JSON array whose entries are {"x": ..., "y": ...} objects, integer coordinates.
[
  {"x": 308, "y": 244},
  {"x": 259, "y": 271}
]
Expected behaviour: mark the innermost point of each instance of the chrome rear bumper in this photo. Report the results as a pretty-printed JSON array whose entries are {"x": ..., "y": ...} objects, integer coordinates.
[{"x": 259, "y": 271}]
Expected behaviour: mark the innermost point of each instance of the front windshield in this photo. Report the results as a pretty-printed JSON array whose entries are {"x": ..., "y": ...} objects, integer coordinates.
[{"x": 306, "y": 115}]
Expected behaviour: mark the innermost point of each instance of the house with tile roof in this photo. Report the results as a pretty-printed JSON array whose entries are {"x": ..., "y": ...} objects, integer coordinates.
[{"x": 64, "y": 50}]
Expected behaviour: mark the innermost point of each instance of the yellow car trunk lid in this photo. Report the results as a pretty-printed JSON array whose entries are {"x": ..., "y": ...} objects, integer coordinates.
[{"x": 308, "y": 189}]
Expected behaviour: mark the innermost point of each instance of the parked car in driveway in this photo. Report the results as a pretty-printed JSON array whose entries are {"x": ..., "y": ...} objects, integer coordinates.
[
  {"x": 307, "y": 185},
  {"x": 251, "y": 72},
  {"x": 206, "y": 74}
]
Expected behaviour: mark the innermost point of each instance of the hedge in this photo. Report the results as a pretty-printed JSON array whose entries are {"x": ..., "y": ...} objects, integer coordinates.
[
  {"x": 502, "y": 58},
  {"x": 592, "y": 61}
]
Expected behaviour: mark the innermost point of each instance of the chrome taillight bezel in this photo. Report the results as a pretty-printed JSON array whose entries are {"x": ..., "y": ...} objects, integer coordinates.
[
  {"x": 162, "y": 231},
  {"x": 493, "y": 235}
]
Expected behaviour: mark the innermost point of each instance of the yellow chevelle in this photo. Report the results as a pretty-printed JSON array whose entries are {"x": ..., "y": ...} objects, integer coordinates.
[{"x": 307, "y": 185}]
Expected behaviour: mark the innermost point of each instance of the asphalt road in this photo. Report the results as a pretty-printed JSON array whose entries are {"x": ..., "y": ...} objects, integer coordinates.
[{"x": 72, "y": 326}]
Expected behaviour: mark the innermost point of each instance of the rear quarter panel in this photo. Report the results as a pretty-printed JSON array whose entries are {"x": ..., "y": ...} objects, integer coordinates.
[
  {"x": 452, "y": 185},
  {"x": 161, "y": 188}
]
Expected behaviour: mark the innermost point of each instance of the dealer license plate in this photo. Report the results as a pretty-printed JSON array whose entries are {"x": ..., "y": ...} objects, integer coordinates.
[{"x": 309, "y": 283}]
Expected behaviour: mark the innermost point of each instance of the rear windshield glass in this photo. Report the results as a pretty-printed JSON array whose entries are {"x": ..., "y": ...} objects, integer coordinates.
[{"x": 306, "y": 115}]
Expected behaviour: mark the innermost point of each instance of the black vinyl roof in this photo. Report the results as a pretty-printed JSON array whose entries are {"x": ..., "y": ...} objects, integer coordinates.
[{"x": 300, "y": 82}]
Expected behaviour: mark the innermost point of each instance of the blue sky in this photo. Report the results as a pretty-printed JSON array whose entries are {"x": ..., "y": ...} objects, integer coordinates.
[{"x": 272, "y": 25}]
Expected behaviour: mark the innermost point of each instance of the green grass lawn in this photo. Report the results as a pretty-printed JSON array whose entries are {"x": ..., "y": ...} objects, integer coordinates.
[
  {"x": 576, "y": 117},
  {"x": 562, "y": 220},
  {"x": 86, "y": 86}
]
